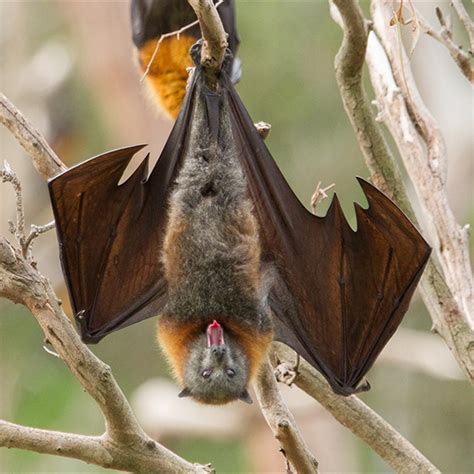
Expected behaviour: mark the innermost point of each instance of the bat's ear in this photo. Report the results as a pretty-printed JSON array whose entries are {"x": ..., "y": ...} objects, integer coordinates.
[
  {"x": 186, "y": 392},
  {"x": 245, "y": 397}
]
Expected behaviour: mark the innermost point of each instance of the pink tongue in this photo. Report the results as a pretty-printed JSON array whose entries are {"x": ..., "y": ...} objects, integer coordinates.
[{"x": 215, "y": 334}]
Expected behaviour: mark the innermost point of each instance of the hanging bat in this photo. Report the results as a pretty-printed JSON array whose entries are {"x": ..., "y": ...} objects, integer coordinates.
[
  {"x": 167, "y": 75},
  {"x": 215, "y": 242}
]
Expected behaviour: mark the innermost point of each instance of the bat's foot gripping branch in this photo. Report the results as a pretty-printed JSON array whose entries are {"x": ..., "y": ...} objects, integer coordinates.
[{"x": 211, "y": 74}]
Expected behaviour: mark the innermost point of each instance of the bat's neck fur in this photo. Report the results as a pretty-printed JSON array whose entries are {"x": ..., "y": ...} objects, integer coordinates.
[{"x": 211, "y": 251}]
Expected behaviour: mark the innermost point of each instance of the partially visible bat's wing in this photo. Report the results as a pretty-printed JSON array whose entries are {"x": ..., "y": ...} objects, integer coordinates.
[
  {"x": 338, "y": 295},
  {"x": 111, "y": 236}
]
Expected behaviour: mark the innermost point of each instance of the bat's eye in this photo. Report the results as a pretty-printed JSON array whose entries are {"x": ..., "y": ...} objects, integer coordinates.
[
  {"x": 230, "y": 372},
  {"x": 206, "y": 373}
]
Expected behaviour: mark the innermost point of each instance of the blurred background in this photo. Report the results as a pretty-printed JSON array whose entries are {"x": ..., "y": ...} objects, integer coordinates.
[{"x": 69, "y": 67}]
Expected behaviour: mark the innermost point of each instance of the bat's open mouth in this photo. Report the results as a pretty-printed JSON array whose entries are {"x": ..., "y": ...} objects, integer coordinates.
[{"x": 215, "y": 334}]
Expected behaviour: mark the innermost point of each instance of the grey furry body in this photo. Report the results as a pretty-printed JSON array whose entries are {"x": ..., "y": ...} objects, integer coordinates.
[
  {"x": 212, "y": 266},
  {"x": 218, "y": 253}
]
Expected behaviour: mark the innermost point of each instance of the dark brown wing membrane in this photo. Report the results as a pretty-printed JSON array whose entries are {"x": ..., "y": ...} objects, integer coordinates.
[
  {"x": 339, "y": 295},
  {"x": 110, "y": 236}
]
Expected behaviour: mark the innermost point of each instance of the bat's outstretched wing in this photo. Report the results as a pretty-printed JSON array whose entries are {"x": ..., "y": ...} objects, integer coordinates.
[
  {"x": 111, "y": 236},
  {"x": 338, "y": 295}
]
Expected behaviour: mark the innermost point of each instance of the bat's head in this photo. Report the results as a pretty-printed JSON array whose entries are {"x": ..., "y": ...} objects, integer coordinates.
[{"x": 216, "y": 370}]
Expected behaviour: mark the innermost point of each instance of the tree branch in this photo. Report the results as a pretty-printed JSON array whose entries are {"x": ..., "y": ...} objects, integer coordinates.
[
  {"x": 44, "y": 159},
  {"x": 445, "y": 37},
  {"x": 447, "y": 314},
  {"x": 282, "y": 423},
  {"x": 18, "y": 230},
  {"x": 466, "y": 21},
  {"x": 355, "y": 415},
  {"x": 85, "y": 448},
  {"x": 213, "y": 33}
]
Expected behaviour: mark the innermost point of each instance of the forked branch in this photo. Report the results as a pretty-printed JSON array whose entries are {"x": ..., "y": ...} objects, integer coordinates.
[
  {"x": 444, "y": 35},
  {"x": 18, "y": 229}
]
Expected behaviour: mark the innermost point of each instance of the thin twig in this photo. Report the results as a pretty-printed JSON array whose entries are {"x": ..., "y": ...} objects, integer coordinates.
[
  {"x": 319, "y": 195},
  {"x": 398, "y": 19},
  {"x": 35, "y": 231},
  {"x": 176, "y": 33},
  {"x": 445, "y": 37},
  {"x": 18, "y": 229},
  {"x": 51, "y": 352},
  {"x": 465, "y": 20}
]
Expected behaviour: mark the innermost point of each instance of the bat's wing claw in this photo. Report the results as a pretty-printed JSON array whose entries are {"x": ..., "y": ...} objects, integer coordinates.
[{"x": 363, "y": 387}]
